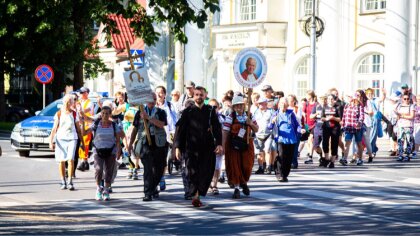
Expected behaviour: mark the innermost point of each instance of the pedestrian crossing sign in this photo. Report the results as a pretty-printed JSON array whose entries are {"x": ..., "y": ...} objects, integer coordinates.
[{"x": 139, "y": 60}]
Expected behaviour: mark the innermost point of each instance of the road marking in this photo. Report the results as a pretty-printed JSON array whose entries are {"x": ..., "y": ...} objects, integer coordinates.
[
  {"x": 362, "y": 200},
  {"x": 334, "y": 210}
]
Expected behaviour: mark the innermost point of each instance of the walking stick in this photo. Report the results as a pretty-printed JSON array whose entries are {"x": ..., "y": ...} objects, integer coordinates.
[{"x": 146, "y": 124}]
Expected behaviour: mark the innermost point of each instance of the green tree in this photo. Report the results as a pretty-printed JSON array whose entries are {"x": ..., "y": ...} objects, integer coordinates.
[{"x": 59, "y": 32}]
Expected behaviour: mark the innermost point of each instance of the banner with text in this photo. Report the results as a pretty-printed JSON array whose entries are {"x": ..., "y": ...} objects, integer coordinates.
[{"x": 138, "y": 87}]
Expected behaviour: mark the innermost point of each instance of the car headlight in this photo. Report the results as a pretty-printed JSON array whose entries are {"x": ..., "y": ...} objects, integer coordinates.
[{"x": 17, "y": 128}]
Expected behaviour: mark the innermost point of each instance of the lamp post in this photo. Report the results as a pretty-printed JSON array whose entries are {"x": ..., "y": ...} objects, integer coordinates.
[{"x": 313, "y": 45}]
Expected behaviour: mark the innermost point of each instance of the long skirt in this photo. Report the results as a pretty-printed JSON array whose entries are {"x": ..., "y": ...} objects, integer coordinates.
[{"x": 239, "y": 163}]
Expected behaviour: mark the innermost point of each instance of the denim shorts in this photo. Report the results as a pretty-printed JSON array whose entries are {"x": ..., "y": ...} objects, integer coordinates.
[{"x": 357, "y": 136}]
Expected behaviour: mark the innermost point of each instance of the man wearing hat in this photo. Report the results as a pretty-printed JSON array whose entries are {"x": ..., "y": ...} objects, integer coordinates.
[
  {"x": 405, "y": 89},
  {"x": 86, "y": 105},
  {"x": 263, "y": 140},
  {"x": 189, "y": 94},
  {"x": 268, "y": 94}
]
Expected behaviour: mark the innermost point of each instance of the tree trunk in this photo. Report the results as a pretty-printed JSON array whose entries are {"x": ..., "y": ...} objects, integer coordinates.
[
  {"x": 78, "y": 76},
  {"x": 2, "y": 100}
]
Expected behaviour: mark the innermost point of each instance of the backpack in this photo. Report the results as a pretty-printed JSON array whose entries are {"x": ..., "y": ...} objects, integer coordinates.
[{"x": 103, "y": 152}]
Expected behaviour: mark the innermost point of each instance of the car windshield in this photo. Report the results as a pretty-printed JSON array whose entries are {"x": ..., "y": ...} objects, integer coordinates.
[{"x": 51, "y": 109}]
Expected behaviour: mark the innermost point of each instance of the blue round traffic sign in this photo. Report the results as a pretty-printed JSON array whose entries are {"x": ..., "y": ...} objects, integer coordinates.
[{"x": 44, "y": 74}]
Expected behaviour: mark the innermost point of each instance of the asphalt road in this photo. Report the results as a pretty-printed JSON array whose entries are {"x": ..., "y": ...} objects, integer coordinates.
[{"x": 379, "y": 198}]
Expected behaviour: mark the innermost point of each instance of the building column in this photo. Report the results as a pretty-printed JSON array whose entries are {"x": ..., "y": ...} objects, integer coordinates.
[{"x": 397, "y": 44}]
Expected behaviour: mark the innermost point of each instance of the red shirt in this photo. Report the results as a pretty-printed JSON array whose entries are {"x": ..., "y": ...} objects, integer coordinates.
[{"x": 308, "y": 110}]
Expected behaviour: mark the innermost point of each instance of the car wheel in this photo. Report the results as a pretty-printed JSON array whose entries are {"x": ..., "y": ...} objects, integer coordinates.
[{"x": 24, "y": 153}]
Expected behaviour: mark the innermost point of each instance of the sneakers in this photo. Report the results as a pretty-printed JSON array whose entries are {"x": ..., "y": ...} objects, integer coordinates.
[
  {"x": 130, "y": 173},
  {"x": 105, "y": 196},
  {"x": 147, "y": 198},
  {"x": 370, "y": 159},
  {"x": 284, "y": 180},
  {"x": 309, "y": 161},
  {"x": 359, "y": 162},
  {"x": 84, "y": 165},
  {"x": 331, "y": 165},
  {"x": 353, "y": 161},
  {"x": 400, "y": 158},
  {"x": 110, "y": 189},
  {"x": 135, "y": 174},
  {"x": 70, "y": 186},
  {"x": 343, "y": 161},
  {"x": 407, "y": 158},
  {"x": 222, "y": 179},
  {"x": 393, "y": 153},
  {"x": 98, "y": 195},
  {"x": 414, "y": 155},
  {"x": 162, "y": 184},
  {"x": 236, "y": 194},
  {"x": 260, "y": 171},
  {"x": 63, "y": 186},
  {"x": 245, "y": 189}
]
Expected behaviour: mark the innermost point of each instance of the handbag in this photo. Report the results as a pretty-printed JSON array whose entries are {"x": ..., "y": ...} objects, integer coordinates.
[
  {"x": 104, "y": 152},
  {"x": 238, "y": 143}
]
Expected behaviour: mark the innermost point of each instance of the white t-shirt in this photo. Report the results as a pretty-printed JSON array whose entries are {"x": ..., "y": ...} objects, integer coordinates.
[{"x": 66, "y": 126}]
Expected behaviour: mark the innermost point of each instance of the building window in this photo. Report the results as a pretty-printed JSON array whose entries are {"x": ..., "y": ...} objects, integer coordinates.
[
  {"x": 369, "y": 6},
  {"x": 302, "y": 77},
  {"x": 370, "y": 73},
  {"x": 307, "y": 7},
  {"x": 248, "y": 9}
]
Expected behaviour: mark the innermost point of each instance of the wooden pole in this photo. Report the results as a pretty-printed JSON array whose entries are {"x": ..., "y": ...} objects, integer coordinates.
[
  {"x": 146, "y": 124},
  {"x": 248, "y": 113}
]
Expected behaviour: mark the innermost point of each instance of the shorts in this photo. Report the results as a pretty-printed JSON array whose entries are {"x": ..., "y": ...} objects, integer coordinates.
[
  {"x": 317, "y": 140},
  {"x": 416, "y": 133},
  {"x": 357, "y": 136},
  {"x": 262, "y": 146},
  {"x": 304, "y": 136}
]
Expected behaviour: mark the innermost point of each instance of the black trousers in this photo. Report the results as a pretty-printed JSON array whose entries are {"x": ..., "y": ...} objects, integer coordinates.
[
  {"x": 200, "y": 170},
  {"x": 286, "y": 157},
  {"x": 154, "y": 161},
  {"x": 334, "y": 135}
]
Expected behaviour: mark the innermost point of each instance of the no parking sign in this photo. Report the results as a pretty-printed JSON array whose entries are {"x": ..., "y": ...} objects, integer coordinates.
[{"x": 44, "y": 74}]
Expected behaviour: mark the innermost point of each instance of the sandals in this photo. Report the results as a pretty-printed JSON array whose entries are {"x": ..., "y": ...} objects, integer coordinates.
[
  {"x": 214, "y": 190},
  {"x": 196, "y": 202}
]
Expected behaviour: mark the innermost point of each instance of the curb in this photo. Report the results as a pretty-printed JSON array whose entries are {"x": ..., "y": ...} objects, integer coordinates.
[{"x": 5, "y": 132}]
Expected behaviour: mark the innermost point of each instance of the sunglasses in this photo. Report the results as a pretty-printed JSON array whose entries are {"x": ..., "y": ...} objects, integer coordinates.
[{"x": 405, "y": 99}]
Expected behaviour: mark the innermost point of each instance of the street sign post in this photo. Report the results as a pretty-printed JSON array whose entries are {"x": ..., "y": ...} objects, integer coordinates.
[{"x": 45, "y": 75}]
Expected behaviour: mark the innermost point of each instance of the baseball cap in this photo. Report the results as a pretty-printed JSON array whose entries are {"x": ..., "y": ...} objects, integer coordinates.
[
  {"x": 84, "y": 89},
  {"x": 404, "y": 86},
  {"x": 189, "y": 84},
  {"x": 395, "y": 96},
  {"x": 266, "y": 87},
  {"x": 237, "y": 100}
]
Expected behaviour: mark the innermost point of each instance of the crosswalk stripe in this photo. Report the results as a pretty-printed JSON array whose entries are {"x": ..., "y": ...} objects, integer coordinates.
[
  {"x": 333, "y": 209},
  {"x": 362, "y": 200}
]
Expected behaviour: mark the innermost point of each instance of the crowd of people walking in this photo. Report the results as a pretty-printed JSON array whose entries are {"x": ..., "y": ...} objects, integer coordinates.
[{"x": 215, "y": 140}]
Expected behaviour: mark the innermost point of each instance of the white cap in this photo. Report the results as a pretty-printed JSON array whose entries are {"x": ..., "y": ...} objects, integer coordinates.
[{"x": 237, "y": 100}]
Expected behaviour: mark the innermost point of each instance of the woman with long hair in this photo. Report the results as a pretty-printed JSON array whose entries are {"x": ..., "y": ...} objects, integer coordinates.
[
  {"x": 352, "y": 123},
  {"x": 63, "y": 139}
]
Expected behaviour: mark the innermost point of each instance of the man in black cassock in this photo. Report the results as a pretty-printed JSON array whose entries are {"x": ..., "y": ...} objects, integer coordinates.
[{"x": 199, "y": 139}]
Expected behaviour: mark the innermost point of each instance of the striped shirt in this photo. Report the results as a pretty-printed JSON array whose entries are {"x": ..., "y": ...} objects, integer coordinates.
[{"x": 240, "y": 119}]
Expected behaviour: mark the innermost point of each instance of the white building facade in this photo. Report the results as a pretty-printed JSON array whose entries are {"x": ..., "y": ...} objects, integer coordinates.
[{"x": 365, "y": 43}]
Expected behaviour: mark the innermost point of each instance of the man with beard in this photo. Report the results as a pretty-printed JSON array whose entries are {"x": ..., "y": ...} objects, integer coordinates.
[
  {"x": 153, "y": 156},
  {"x": 199, "y": 138}
]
